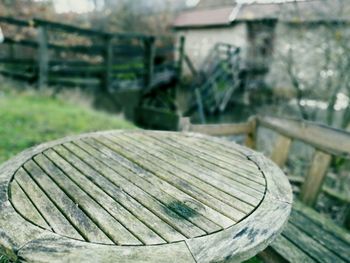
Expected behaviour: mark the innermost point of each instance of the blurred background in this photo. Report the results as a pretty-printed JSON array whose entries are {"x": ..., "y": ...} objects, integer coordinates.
[{"x": 68, "y": 67}]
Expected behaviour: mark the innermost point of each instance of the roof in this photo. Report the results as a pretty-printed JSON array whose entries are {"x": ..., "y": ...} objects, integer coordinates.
[
  {"x": 312, "y": 10},
  {"x": 217, "y": 16}
]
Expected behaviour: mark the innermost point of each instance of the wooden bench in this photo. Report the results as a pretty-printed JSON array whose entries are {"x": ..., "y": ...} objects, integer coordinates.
[{"x": 308, "y": 236}]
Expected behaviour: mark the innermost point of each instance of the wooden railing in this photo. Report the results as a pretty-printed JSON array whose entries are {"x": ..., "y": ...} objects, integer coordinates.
[
  {"x": 102, "y": 60},
  {"x": 326, "y": 141}
]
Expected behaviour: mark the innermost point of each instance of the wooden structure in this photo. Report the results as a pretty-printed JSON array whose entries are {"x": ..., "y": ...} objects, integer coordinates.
[
  {"x": 309, "y": 236},
  {"x": 216, "y": 81},
  {"x": 140, "y": 196},
  {"x": 95, "y": 59}
]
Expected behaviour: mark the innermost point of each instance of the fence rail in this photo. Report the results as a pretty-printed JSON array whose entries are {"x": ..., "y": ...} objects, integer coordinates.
[{"x": 104, "y": 59}]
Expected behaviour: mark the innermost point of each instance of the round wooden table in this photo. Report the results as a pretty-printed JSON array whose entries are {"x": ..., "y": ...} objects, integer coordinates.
[{"x": 140, "y": 196}]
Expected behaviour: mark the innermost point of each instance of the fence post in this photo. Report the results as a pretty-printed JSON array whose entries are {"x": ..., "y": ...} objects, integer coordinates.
[
  {"x": 149, "y": 44},
  {"x": 181, "y": 56},
  {"x": 108, "y": 59},
  {"x": 43, "y": 57}
]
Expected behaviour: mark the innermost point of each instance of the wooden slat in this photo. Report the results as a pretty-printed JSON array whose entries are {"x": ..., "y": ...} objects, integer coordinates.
[
  {"x": 186, "y": 212},
  {"x": 183, "y": 165},
  {"x": 325, "y": 238},
  {"x": 165, "y": 171},
  {"x": 221, "y": 129},
  {"x": 196, "y": 164},
  {"x": 166, "y": 214},
  {"x": 251, "y": 137},
  {"x": 176, "y": 186},
  {"x": 81, "y": 222},
  {"x": 109, "y": 197},
  {"x": 315, "y": 177},
  {"x": 97, "y": 181},
  {"x": 219, "y": 152},
  {"x": 111, "y": 227},
  {"x": 156, "y": 187},
  {"x": 289, "y": 251},
  {"x": 228, "y": 166},
  {"x": 280, "y": 150},
  {"x": 322, "y": 137},
  {"x": 23, "y": 204},
  {"x": 309, "y": 245},
  {"x": 47, "y": 209},
  {"x": 325, "y": 223}
]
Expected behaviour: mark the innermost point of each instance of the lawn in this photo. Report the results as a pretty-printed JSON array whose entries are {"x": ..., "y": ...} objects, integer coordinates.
[{"x": 27, "y": 119}]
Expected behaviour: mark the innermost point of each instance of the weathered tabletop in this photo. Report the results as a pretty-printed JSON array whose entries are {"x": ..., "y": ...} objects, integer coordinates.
[{"x": 140, "y": 196}]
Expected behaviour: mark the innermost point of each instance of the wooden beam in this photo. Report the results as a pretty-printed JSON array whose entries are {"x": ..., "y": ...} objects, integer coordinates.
[
  {"x": 325, "y": 138},
  {"x": 280, "y": 150},
  {"x": 181, "y": 56},
  {"x": 221, "y": 129},
  {"x": 43, "y": 57},
  {"x": 149, "y": 61},
  {"x": 108, "y": 60},
  {"x": 315, "y": 177},
  {"x": 250, "y": 140},
  {"x": 190, "y": 65}
]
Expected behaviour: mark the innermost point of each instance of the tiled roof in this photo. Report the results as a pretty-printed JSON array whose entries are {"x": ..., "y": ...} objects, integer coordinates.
[
  {"x": 217, "y": 16},
  {"x": 312, "y": 10}
]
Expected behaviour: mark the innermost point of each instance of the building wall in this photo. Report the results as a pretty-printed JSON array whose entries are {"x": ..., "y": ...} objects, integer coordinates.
[
  {"x": 199, "y": 42},
  {"x": 315, "y": 53}
]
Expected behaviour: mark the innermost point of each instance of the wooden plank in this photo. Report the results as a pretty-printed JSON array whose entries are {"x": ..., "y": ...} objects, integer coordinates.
[
  {"x": 121, "y": 213},
  {"x": 77, "y": 218},
  {"x": 325, "y": 238},
  {"x": 221, "y": 129},
  {"x": 99, "y": 186},
  {"x": 22, "y": 203},
  {"x": 47, "y": 209},
  {"x": 251, "y": 137},
  {"x": 315, "y": 177},
  {"x": 309, "y": 245},
  {"x": 43, "y": 57},
  {"x": 165, "y": 172},
  {"x": 325, "y": 138},
  {"x": 325, "y": 223},
  {"x": 185, "y": 211},
  {"x": 108, "y": 224},
  {"x": 244, "y": 240},
  {"x": 181, "y": 54},
  {"x": 183, "y": 197},
  {"x": 192, "y": 191},
  {"x": 196, "y": 160},
  {"x": 108, "y": 60},
  {"x": 165, "y": 213},
  {"x": 68, "y": 28},
  {"x": 289, "y": 251},
  {"x": 225, "y": 157},
  {"x": 165, "y": 159},
  {"x": 73, "y": 251},
  {"x": 149, "y": 48},
  {"x": 228, "y": 166},
  {"x": 280, "y": 150},
  {"x": 15, "y": 21},
  {"x": 190, "y": 65}
]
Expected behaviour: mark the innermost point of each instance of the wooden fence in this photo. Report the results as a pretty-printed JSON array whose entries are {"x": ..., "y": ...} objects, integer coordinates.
[{"x": 94, "y": 59}]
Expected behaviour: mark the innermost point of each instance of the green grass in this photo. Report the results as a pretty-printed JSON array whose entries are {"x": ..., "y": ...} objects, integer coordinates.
[{"x": 27, "y": 119}]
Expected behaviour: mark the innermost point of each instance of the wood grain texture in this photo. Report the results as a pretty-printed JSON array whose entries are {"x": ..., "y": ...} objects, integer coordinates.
[
  {"x": 325, "y": 138},
  {"x": 315, "y": 177},
  {"x": 280, "y": 150},
  {"x": 140, "y": 188}
]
